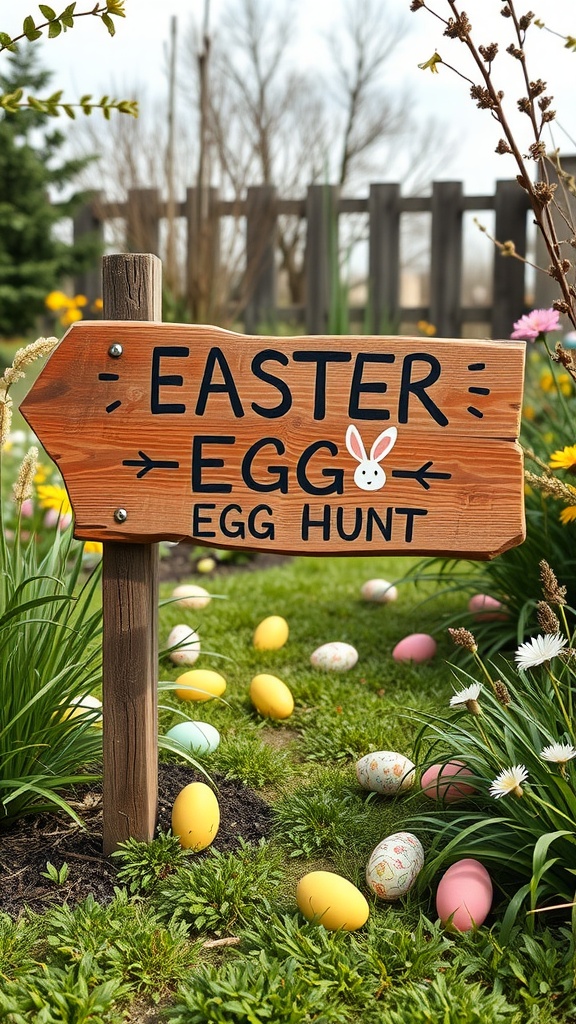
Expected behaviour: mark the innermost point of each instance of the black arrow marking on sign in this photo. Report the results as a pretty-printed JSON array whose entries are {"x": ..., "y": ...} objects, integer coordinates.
[
  {"x": 147, "y": 464},
  {"x": 421, "y": 474}
]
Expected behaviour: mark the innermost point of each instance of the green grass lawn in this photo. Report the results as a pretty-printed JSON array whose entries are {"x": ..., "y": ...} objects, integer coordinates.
[{"x": 150, "y": 955}]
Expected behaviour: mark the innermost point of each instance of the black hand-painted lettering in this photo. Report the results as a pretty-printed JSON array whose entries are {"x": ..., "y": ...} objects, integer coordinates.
[
  {"x": 280, "y": 483},
  {"x": 198, "y": 518},
  {"x": 418, "y": 387},
  {"x": 159, "y": 380},
  {"x": 270, "y": 354},
  {"x": 321, "y": 358},
  {"x": 199, "y": 463},
  {"x": 335, "y": 475},
  {"x": 410, "y": 514},
  {"x": 226, "y": 386},
  {"x": 360, "y": 387},
  {"x": 308, "y": 523}
]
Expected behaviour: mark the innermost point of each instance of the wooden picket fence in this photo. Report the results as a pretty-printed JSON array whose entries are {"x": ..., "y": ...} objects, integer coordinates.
[{"x": 323, "y": 209}]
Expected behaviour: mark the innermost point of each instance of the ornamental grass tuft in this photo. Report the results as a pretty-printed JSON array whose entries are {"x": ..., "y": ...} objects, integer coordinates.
[
  {"x": 50, "y": 652},
  {"x": 515, "y": 730}
]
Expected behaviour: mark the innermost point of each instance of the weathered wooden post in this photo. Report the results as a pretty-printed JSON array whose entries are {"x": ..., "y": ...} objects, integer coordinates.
[{"x": 132, "y": 290}]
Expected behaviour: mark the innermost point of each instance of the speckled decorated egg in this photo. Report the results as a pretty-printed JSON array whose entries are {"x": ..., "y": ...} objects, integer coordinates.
[
  {"x": 380, "y": 591},
  {"x": 190, "y": 595},
  {"x": 446, "y": 782},
  {"x": 335, "y": 656},
  {"x": 188, "y": 645},
  {"x": 195, "y": 816},
  {"x": 487, "y": 609},
  {"x": 271, "y": 633},
  {"x": 196, "y": 737},
  {"x": 394, "y": 865},
  {"x": 415, "y": 647},
  {"x": 271, "y": 697},
  {"x": 386, "y": 772},
  {"x": 332, "y": 901},
  {"x": 464, "y": 895},
  {"x": 200, "y": 684}
]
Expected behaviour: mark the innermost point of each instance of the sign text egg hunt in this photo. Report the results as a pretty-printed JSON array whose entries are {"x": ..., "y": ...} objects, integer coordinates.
[{"x": 313, "y": 445}]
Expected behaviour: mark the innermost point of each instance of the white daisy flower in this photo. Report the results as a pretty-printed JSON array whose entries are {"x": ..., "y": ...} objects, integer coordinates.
[
  {"x": 471, "y": 692},
  {"x": 559, "y": 753},
  {"x": 509, "y": 781},
  {"x": 540, "y": 649}
]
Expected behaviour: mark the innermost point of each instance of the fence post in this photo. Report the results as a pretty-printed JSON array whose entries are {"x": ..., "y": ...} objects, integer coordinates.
[
  {"x": 143, "y": 221},
  {"x": 321, "y": 249},
  {"x": 260, "y": 276},
  {"x": 446, "y": 258},
  {"x": 202, "y": 253},
  {"x": 132, "y": 290},
  {"x": 384, "y": 258},
  {"x": 87, "y": 221},
  {"x": 508, "y": 275}
]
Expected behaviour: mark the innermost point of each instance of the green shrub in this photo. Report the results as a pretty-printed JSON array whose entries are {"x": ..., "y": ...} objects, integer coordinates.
[{"x": 222, "y": 890}]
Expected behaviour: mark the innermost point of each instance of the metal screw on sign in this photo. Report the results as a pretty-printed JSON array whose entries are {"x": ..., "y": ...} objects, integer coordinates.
[
  {"x": 115, "y": 350},
  {"x": 120, "y": 515}
]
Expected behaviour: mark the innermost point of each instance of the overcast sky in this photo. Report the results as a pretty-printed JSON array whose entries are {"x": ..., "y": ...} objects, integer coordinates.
[{"x": 86, "y": 59}]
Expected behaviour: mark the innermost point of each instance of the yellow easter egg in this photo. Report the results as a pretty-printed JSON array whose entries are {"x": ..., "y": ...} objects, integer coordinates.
[
  {"x": 332, "y": 900},
  {"x": 271, "y": 633},
  {"x": 271, "y": 697},
  {"x": 195, "y": 816},
  {"x": 200, "y": 684}
]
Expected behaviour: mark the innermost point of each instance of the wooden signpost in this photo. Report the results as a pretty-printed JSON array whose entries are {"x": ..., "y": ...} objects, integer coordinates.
[{"x": 310, "y": 445}]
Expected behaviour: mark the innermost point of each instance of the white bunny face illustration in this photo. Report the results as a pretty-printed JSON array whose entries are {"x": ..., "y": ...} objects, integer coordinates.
[{"x": 369, "y": 475}]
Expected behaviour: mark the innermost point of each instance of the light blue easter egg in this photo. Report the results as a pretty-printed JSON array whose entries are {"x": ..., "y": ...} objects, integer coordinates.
[{"x": 197, "y": 737}]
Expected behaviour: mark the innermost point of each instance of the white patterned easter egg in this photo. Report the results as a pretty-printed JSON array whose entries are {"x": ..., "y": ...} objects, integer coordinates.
[
  {"x": 386, "y": 772},
  {"x": 335, "y": 656},
  {"x": 186, "y": 644},
  {"x": 380, "y": 591},
  {"x": 394, "y": 865}
]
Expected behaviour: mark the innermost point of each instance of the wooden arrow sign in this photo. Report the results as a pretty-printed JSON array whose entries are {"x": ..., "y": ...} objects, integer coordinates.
[{"x": 313, "y": 445}]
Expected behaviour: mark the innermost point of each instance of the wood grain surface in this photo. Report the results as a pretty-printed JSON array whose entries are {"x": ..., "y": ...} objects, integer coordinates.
[{"x": 240, "y": 441}]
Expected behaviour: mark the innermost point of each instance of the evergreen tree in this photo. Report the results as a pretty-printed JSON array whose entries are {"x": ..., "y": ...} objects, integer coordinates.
[{"x": 33, "y": 181}]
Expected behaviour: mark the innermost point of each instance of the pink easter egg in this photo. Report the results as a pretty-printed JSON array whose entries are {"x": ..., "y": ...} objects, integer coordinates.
[
  {"x": 487, "y": 609},
  {"x": 445, "y": 782},
  {"x": 464, "y": 895},
  {"x": 415, "y": 647}
]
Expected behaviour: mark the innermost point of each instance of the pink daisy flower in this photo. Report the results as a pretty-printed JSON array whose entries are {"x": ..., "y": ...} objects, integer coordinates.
[{"x": 532, "y": 325}]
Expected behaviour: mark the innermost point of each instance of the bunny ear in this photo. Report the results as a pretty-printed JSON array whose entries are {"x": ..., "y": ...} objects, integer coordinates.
[
  {"x": 354, "y": 444},
  {"x": 383, "y": 444}
]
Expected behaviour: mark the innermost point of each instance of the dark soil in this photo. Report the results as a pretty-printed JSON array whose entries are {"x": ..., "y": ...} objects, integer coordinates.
[
  {"x": 179, "y": 562},
  {"x": 26, "y": 848}
]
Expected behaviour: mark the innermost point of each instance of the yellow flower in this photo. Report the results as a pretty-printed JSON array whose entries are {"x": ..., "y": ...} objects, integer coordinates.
[
  {"x": 529, "y": 412},
  {"x": 563, "y": 382},
  {"x": 80, "y": 300},
  {"x": 97, "y": 305},
  {"x": 564, "y": 458},
  {"x": 92, "y": 547},
  {"x": 70, "y": 316},
  {"x": 42, "y": 474},
  {"x": 51, "y": 496},
  {"x": 434, "y": 60},
  {"x": 568, "y": 515},
  {"x": 56, "y": 301},
  {"x": 425, "y": 328},
  {"x": 547, "y": 381}
]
